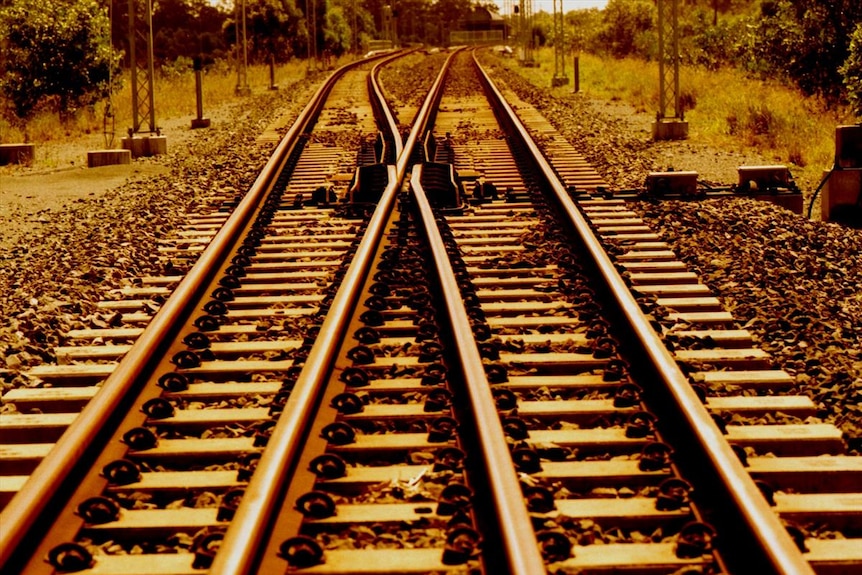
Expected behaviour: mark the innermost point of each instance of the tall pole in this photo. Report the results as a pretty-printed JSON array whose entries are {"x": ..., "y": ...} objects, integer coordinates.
[
  {"x": 669, "y": 126},
  {"x": 244, "y": 49},
  {"x": 310, "y": 15},
  {"x": 133, "y": 65},
  {"x": 236, "y": 43},
  {"x": 526, "y": 30},
  {"x": 108, "y": 124},
  {"x": 141, "y": 66},
  {"x": 308, "y": 31},
  {"x": 560, "y": 78},
  {"x": 150, "y": 69},
  {"x": 355, "y": 31},
  {"x": 242, "y": 88}
]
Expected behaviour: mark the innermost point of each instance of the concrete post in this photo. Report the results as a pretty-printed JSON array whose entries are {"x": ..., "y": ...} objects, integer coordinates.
[{"x": 200, "y": 121}]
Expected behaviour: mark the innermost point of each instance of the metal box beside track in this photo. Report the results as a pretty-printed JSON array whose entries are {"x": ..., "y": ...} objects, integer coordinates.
[
  {"x": 848, "y": 146},
  {"x": 661, "y": 184},
  {"x": 841, "y": 200},
  {"x": 764, "y": 178},
  {"x": 771, "y": 184}
]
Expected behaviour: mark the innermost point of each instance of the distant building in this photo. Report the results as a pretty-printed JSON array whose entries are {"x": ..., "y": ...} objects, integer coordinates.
[{"x": 480, "y": 26}]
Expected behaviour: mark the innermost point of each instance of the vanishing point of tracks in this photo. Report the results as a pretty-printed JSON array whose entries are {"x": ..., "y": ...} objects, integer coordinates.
[{"x": 449, "y": 354}]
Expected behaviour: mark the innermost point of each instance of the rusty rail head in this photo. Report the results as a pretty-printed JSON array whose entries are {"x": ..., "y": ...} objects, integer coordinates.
[
  {"x": 516, "y": 528},
  {"x": 29, "y": 505},
  {"x": 776, "y": 545}
]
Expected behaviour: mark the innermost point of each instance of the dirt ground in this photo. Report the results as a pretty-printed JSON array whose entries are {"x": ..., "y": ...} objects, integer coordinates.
[
  {"x": 26, "y": 198},
  {"x": 59, "y": 176}
]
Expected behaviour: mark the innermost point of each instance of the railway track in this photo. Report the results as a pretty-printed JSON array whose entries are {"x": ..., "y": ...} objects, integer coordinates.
[{"x": 446, "y": 373}]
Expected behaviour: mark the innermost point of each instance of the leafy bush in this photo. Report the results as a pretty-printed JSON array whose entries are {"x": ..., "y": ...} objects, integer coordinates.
[
  {"x": 719, "y": 45},
  {"x": 68, "y": 40},
  {"x": 851, "y": 71},
  {"x": 626, "y": 25},
  {"x": 801, "y": 41},
  {"x": 179, "y": 67},
  {"x": 804, "y": 40}
]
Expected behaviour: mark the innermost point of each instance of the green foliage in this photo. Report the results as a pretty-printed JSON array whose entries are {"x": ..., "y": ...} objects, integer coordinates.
[
  {"x": 337, "y": 33},
  {"x": 178, "y": 68},
  {"x": 627, "y": 26},
  {"x": 805, "y": 41},
  {"x": 579, "y": 25},
  {"x": 273, "y": 28},
  {"x": 851, "y": 71},
  {"x": 801, "y": 41},
  {"x": 718, "y": 45},
  {"x": 353, "y": 15},
  {"x": 182, "y": 28},
  {"x": 774, "y": 39},
  {"x": 57, "y": 54},
  {"x": 447, "y": 13},
  {"x": 826, "y": 30}
]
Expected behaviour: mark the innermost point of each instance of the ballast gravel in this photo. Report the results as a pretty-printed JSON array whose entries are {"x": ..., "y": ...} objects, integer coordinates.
[
  {"x": 52, "y": 277},
  {"x": 795, "y": 283}
]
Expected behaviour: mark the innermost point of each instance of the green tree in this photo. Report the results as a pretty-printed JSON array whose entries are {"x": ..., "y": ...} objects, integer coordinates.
[
  {"x": 447, "y": 13},
  {"x": 627, "y": 26},
  {"x": 414, "y": 22},
  {"x": 826, "y": 27},
  {"x": 186, "y": 28},
  {"x": 355, "y": 13},
  {"x": 337, "y": 35},
  {"x": 273, "y": 28},
  {"x": 852, "y": 72},
  {"x": 56, "y": 54},
  {"x": 580, "y": 28},
  {"x": 806, "y": 40}
]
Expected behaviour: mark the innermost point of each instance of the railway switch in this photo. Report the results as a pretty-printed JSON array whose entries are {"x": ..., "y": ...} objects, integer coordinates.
[
  {"x": 369, "y": 183},
  {"x": 439, "y": 184}
]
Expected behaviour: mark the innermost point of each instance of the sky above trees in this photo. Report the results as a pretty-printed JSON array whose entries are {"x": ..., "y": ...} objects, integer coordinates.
[
  {"x": 548, "y": 5},
  {"x": 504, "y": 5}
]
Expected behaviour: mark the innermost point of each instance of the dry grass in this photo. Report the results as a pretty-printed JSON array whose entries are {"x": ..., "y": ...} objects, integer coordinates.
[
  {"x": 724, "y": 108},
  {"x": 174, "y": 98}
]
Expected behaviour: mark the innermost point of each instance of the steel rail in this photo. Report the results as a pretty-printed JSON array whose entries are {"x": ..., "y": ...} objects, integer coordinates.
[
  {"x": 778, "y": 548},
  {"x": 513, "y": 519},
  {"x": 249, "y": 528},
  {"x": 70, "y": 452},
  {"x": 374, "y": 81}
]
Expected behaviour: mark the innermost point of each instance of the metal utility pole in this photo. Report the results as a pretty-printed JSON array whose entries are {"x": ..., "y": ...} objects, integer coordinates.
[
  {"x": 141, "y": 66},
  {"x": 109, "y": 119},
  {"x": 311, "y": 31},
  {"x": 527, "y": 33},
  {"x": 666, "y": 126},
  {"x": 355, "y": 32},
  {"x": 387, "y": 24},
  {"x": 560, "y": 78},
  {"x": 143, "y": 95},
  {"x": 242, "y": 88}
]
